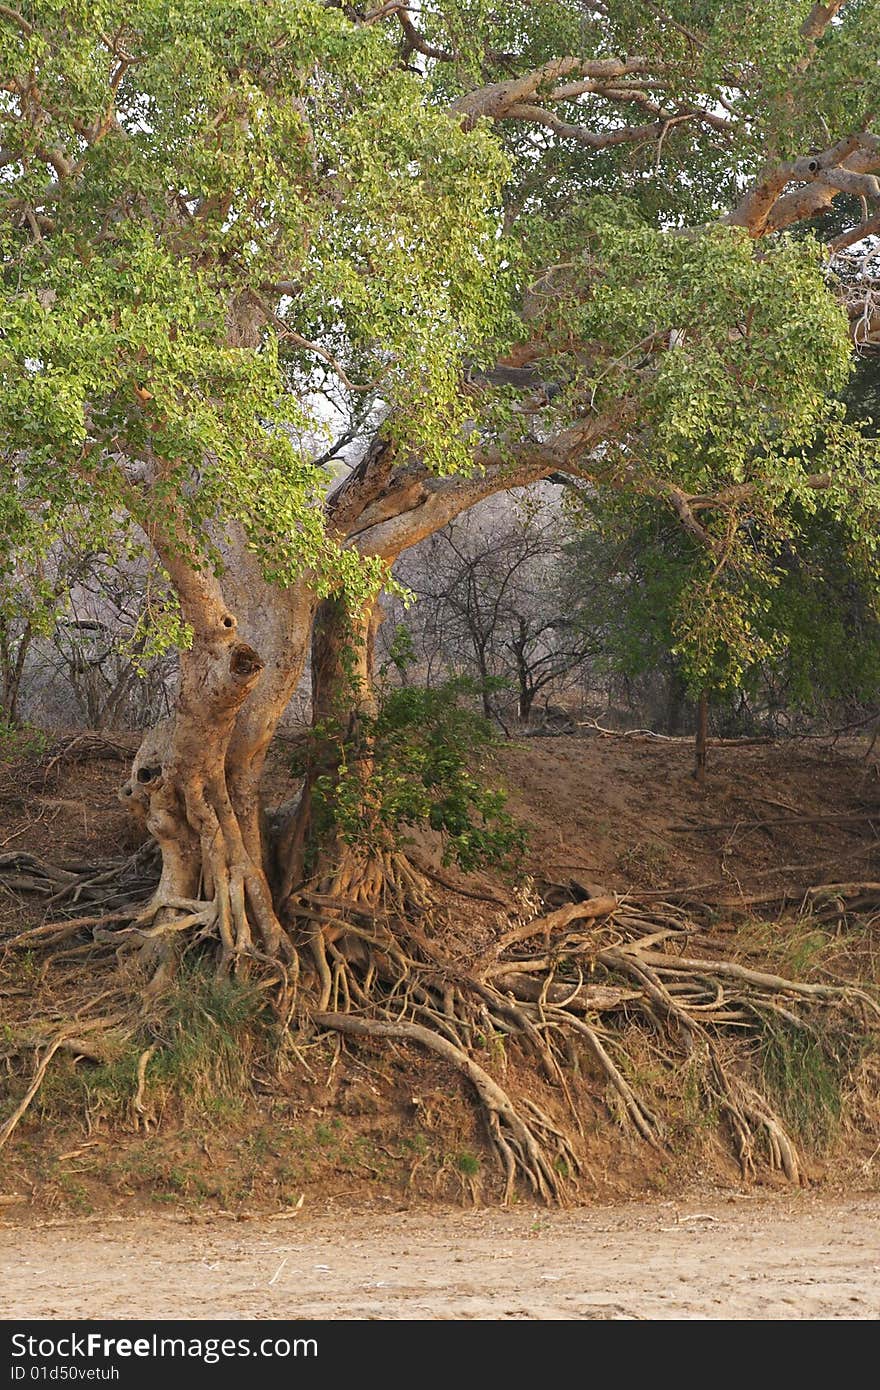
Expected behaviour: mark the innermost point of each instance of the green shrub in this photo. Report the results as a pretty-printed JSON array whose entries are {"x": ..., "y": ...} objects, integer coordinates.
[{"x": 415, "y": 762}]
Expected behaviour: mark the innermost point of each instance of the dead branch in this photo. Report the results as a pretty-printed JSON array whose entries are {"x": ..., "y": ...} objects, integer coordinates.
[
  {"x": 62, "y": 1038},
  {"x": 819, "y": 818}
]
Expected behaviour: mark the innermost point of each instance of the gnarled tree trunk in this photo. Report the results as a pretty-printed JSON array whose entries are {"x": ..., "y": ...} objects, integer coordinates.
[
  {"x": 196, "y": 778},
  {"x": 196, "y": 781}
]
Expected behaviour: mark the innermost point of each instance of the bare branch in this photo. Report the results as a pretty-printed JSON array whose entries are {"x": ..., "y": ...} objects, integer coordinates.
[
  {"x": 815, "y": 197},
  {"x": 870, "y": 227},
  {"x": 496, "y": 99},
  {"x": 593, "y": 139},
  {"x": 847, "y": 181},
  {"x": 420, "y": 44},
  {"x": 687, "y": 507},
  {"x": 681, "y": 505},
  {"x": 412, "y": 503},
  {"x": 755, "y": 209},
  {"x": 698, "y": 40},
  {"x": 58, "y": 160},
  {"x": 286, "y": 332}
]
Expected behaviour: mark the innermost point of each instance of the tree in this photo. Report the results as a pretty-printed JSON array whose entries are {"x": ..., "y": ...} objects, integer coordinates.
[
  {"x": 102, "y": 653},
  {"x": 490, "y": 603},
  {"x": 813, "y": 625},
  {"x": 520, "y": 241}
]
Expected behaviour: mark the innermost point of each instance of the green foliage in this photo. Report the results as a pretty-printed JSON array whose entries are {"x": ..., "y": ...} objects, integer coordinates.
[
  {"x": 723, "y": 372},
  {"x": 422, "y": 747},
  {"x": 211, "y": 1028},
  {"x": 185, "y": 156},
  {"x": 17, "y": 741},
  {"x": 798, "y": 626},
  {"x": 721, "y": 366},
  {"x": 205, "y": 203},
  {"x": 401, "y": 651},
  {"x": 803, "y": 1075},
  {"x": 721, "y": 55},
  {"x": 467, "y": 1163}
]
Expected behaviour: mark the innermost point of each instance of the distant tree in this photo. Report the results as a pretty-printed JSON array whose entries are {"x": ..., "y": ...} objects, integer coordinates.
[
  {"x": 107, "y": 650},
  {"x": 807, "y": 639},
  {"x": 35, "y": 585},
  {"x": 490, "y": 602}
]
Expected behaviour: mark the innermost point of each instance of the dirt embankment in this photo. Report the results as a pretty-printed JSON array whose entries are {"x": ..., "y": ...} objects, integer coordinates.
[
  {"x": 395, "y": 1125},
  {"x": 771, "y": 819},
  {"x": 623, "y": 811}
]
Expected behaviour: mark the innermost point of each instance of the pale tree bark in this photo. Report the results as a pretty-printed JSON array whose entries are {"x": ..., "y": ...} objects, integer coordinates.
[
  {"x": 195, "y": 780},
  {"x": 343, "y": 646}
]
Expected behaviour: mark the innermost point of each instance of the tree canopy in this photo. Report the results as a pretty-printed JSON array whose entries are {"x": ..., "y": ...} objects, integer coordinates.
[
  {"x": 625, "y": 244},
  {"x": 190, "y": 193},
  {"x": 213, "y": 212}
]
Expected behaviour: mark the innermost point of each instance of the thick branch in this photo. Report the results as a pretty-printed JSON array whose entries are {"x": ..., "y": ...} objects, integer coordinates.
[
  {"x": 496, "y": 100},
  {"x": 413, "y": 503},
  {"x": 6, "y": 12},
  {"x": 819, "y": 18},
  {"x": 755, "y": 209},
  {"x": 681, "y": 505},
  {"x": 416, "y": 40},
  {"x": 870, "y": 227},
  {"x": 593, "y": 139}
]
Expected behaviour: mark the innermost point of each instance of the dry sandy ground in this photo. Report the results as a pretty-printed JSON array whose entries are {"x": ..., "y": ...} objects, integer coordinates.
[{"x": 740, "y": 1257}]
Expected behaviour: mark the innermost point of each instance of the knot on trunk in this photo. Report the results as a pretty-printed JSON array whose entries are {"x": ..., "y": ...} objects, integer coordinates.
[
  {"x": 147, "y": 772},
  {"x": 244, "y": 661}
]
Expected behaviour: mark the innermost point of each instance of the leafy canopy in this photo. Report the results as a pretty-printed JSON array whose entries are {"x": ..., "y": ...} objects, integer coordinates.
[
  {"x": 191, "y": 191},
  {"x": 209, "y": 203}
]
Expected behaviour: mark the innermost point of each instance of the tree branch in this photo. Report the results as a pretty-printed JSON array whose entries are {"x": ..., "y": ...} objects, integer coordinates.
[
  {"x": 594, "y": 140},
  {"x": 819, "y": 18},
  {"x": 870, "y": 227},
  {"x": 6, "y": 12},
  {"x": 286, "y": 332},
  {"x": 413, "y": 503},
  {"x": 681, "y": 505},
  {"x": 416, "y": 41},
  {"x": 496, "y": 99},
  {"x": 754, "y": 210}
]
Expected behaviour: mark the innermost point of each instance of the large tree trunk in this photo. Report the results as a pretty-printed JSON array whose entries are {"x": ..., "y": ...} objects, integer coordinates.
[
  {"x": 185, "y": 796},
  {"x": 196, "y": 778},
  {"x": 309, "y": 846},
  {"x": 278, "y": 623},
  {"x": 196, "y": 781}
]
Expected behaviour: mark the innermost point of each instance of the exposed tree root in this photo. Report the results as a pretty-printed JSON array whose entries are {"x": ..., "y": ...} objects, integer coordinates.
[
  {"x": 603, "y": 958},
  {"x": 382, "y": 960},
  {"x": 63, "y": 1039},
  {"x": 519, "y": 1147},
  {"x": 71, "y": 887},
  {"x": 750, "y": 1116}
]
